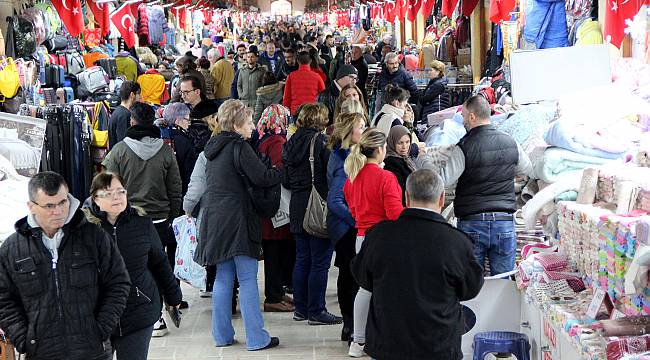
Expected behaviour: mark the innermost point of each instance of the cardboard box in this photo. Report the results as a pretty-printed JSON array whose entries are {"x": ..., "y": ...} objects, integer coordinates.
[{"x": 463, "y": 59}]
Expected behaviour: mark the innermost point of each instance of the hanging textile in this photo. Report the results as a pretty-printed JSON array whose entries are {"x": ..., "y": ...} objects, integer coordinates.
[
  {"x": 413, "y": 8},
  {"x": 389, "y": 9},
  {"x": 403, "y": 7},
  {"x": 427, "y": 7},
  {"x": 616, "y": 12},
  {"x": 500, "y": 10},
  {"x": 122, "y": 18},
  {"x": 468, "y": 6},
  {"x": 448, "y": 7},
  {"x": 71, "y": 15},
  {"x": 101, "y": 15}
]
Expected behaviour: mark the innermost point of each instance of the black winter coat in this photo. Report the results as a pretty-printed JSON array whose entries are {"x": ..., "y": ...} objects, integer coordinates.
[
  {"x": 399, "y": 78},
  {"x": 229, "y": 224},
  {"x": 435, "y": 97},
  {"x": 362, "y": 69},
  {"x": 185, "y": 155},
  {"x": 147, "y": 264},
  {"x": 328, "y": 98},
  {"x": 66, "y": 312},
  {"x": 400, "y": 168},
  {"x": 432, "y": 269},
  {"x": 298, "y": 172}
]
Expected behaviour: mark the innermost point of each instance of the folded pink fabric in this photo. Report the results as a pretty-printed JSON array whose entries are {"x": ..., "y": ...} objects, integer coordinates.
[{"x": 552, "y": 261}]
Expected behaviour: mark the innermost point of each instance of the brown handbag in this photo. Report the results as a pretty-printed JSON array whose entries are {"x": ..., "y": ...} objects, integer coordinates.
[{"x": 7, "y": 351}]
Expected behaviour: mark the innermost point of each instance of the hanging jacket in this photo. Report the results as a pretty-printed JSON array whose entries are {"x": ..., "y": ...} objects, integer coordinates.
[
  {"x": 157, "y": 24},
  {"x": 127, "y": 67},
  {"x": 152, "y": 86},
  {"x": 143, "y": 25},
  {"x": 546, "y": 24}
]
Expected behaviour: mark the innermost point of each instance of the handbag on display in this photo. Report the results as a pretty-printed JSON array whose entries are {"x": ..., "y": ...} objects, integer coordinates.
[
  {"x": 109, "y": 65},
  {"x": 56, "y": 43},
  {"x": 315, "y": 221},
  {"x": 75, "y": 63},
  {"x": 92, "y": 80},
  {"x": 100, "y": 125},
  {"x": 9, "y": 78},
  {"x": 266, "y": 200}
]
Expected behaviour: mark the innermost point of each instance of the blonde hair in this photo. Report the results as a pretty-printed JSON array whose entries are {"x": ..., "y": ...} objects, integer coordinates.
[
  {"x": 342, "y": 99},
  {"x": 314, "y": 116},
  {"x": 232, "y": 112},
  {"x": 438, "y": 65},
  {"x": 343, "y": 127},
  {"x": 371, "y": 140}
]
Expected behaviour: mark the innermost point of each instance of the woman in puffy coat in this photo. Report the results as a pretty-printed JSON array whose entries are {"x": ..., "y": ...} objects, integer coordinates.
[
  {"x": 279, "y": 247},
  {"x": 340, "y": 223},
  {"x": 313, "y": 254},
  {"x": 146, "y": 261},
  {"x": 435, "y": 97},
  {"x": 271, "y": 92},
  {"x": 230, "y": 231}
]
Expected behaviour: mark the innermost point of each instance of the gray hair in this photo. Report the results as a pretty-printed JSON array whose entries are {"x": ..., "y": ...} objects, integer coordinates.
[
  {"x": 47, "y": 181},
  {"x": 214, "y": 54},
  {"x": 391, "y": 56},
  {"x": 424, "y": 185}
]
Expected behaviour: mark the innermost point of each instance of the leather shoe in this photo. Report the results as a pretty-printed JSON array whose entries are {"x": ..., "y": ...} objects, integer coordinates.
[
  {"x": 278, "y": 307},
  {"x": 346, "y": 334}
]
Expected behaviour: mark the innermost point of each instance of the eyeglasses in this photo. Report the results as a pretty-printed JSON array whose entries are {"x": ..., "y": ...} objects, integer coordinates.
[
  {"x": 353, "y": 78},
  {"x": 392, "y": 63},
  {"x": 186, "y": 91},
  {"x": 111, "y": 194},
  {"x": 52, "y": 207}
]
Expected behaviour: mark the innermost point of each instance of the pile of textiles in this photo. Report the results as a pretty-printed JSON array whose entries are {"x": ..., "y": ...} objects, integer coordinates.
[
  {"x": 606, "y": 142},
  {"x": 643, "y": 199},
  {"x": 527, "y": 122},
  {"x": 557, "y": 161}
]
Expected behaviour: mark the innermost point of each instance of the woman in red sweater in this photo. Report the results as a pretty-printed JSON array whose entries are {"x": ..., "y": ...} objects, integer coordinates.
[{"x": 373, "y": 195}]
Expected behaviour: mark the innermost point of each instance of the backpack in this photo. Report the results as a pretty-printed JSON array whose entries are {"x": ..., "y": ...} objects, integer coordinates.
[
  {"x": 109, "y": 65},
  {"x": 54, "y": 75},
  {"x": 92, "y": 80},
  {"x": 24, "y": 37},
  {"x": 75, "y": 63},
  {"x": 57, "y": 43}
]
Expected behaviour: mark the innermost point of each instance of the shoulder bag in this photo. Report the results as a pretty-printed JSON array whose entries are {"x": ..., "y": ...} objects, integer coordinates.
[
  {"x": 266, "y": 200},
  {"x": 315, "y": 221}
]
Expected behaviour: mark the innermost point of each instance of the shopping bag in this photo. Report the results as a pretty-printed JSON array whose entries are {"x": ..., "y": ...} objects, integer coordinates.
[
  {"x": 7, "y": 351},
  {"x": 185, "y": 268},
  {"x": 282, "y": 216},
  {"x": 100, "y": 125}
]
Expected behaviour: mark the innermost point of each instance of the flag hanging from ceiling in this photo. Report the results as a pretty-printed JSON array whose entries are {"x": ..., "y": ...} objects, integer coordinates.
[
  {"x": 427, "y": 7},
  {"x": 468, "y": 6},
  {"x": 448, "y": 7},
  {"x": 71, "y": 15},
  {"x": 123, "y": 20},
  {"x": 390, "y": 11},
  {"x": 101, "y": 15},
  {"x": 403, "y": 7},
  {"x": 413, "y": 8},
  {"x": 500, "y": 10},
  {"x": 616, "y": 12}
]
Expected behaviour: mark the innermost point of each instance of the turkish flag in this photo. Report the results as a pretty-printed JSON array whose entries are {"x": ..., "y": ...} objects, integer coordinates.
[
  {"x": 448, "y": 7},
  {"x": 616, "y": 12},
  {"x": 389, "y": 11},
  {"x": 427, "y": 7},
  {"x": 500, "y": 10},
  {"x": 123, "y": 20},
  {"x": 102, "y": 17},
  {"x": 413, "y": 8},
  {"x": 403, "y": 7},
  {"x": 71, "y": 15},
  {"x": 468, "y": 6}
]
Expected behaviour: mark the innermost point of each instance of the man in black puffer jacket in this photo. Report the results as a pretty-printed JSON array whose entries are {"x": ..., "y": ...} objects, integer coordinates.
[{"x": 63, "y": 282}]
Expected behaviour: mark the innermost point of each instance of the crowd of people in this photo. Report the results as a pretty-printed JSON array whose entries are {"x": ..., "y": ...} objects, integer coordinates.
[{"x": 81, "y": 280}]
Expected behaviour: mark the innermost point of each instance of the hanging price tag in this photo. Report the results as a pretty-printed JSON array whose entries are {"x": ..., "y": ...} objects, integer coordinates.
[{"x": 596, "y": 302}]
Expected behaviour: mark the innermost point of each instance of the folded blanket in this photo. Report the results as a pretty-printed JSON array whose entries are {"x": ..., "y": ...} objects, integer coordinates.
[
  {"x": 524, "y": 123},
  {"x": 557, "y": 161},
  {"x": 568, "y": 181},
  {"x": 563, "y": 135}
]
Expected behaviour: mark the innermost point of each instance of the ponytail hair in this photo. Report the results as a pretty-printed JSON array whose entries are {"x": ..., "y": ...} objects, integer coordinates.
[
  {"x": 394, "y": 93},
  {"x": 371, "y": 140}
]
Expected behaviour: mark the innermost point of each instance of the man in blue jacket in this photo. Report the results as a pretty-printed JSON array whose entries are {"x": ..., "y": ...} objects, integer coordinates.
[{"x": 393, "y": 73}]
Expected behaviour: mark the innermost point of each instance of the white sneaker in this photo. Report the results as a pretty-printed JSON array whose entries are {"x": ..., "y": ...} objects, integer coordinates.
[
  {"x": 160, "y": 328},
  {"x": 205, "y": 294},
  {"x": 356, "y": 350}
]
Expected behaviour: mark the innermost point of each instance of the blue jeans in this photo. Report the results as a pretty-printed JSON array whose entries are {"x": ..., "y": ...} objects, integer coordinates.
[
  {"x": 249, "y": 302},
  {"x": 313, "y": 259},
  {"x": 133, "y": 346},
  {"x": 496, "y": 239}
]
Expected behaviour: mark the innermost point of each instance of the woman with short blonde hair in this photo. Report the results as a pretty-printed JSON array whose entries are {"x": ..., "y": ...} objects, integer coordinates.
[
  {"x": 313, "y": 116},
  {"x": 233, "y": 113}
]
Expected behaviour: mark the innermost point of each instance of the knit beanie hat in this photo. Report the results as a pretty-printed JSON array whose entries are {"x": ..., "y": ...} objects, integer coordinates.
[{"x": 346, "y": 70}]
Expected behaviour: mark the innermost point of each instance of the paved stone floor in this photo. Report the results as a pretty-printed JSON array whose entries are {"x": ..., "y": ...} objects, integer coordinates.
[{"x": 298, "y": 340}]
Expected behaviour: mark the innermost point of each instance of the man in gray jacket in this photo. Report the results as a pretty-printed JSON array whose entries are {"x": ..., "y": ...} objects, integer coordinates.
[
  {"x": 250, "y": 79},
  {"x": 150, "y": 173}
]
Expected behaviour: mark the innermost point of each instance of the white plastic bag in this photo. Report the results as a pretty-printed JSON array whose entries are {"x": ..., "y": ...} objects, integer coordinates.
[
  {"x": 185, "y": 268},
  {"x": 282, "y": 216}
]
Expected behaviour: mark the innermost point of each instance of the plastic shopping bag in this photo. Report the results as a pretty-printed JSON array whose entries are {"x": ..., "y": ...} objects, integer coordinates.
[{"x": 186, "y": 269}]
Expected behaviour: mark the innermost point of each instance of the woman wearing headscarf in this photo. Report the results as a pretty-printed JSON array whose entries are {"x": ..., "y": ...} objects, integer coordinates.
[
  {"x": 277, "y": 243},
  {"x": 398, "y": 161}
]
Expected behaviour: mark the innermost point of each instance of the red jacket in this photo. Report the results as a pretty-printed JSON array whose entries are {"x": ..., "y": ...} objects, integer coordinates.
[
  {"x": 374, "y": 196},
  {"x": 272, "y": 147},
  {"x": 302, "y": 87}
]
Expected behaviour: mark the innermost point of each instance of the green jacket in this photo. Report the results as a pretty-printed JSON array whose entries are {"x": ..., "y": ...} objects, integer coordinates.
[
  {"x": 248, "y": 82},
  {"x": 151, "y": 175}
]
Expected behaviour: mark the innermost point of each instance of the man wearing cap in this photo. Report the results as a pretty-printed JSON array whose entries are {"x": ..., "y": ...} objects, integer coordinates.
[
  {"x": 303, "y": 85},
  {"x": 347, "y": 74},
  {"x": 249, "y": 78}
]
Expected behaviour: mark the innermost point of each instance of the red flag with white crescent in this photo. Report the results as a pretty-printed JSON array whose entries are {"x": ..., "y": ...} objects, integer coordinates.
[
  {"x": 123, "y": 20},
  {"x": 413, "y": 8},
  {"x": 102, "y": 17},
  {"x": 403, "y": 7},
  {"x": 71, "y": 15},
  {"x": 390, "y": 11},
  {"x": 616, "y": 12},
  {"x": 427, "y": 7}
]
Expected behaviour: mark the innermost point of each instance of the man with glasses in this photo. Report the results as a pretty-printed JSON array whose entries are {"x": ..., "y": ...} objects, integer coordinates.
[
  {"x": 394, "y": 73},
  {"x": 63, "y": 282},
  {"x": 346, "y": 74},
  {"x": 191, "y": 91}
]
